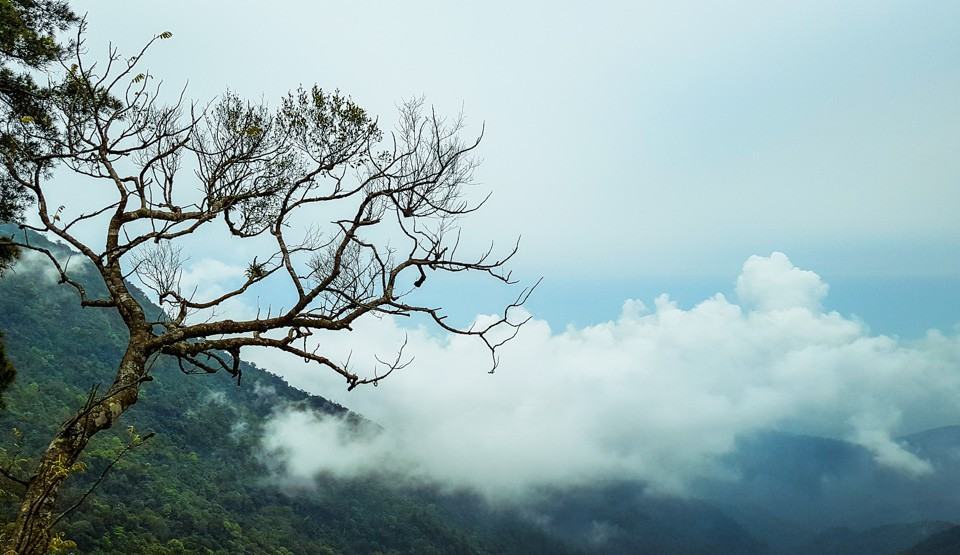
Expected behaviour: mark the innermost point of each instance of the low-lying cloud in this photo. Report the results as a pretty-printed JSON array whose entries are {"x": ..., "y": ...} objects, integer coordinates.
[{"x": 655, "y": 395}]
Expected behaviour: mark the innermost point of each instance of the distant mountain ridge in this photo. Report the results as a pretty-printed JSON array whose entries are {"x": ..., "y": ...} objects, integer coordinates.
[
  {"x": 203, "y": 486},
  {"x": 946, "y": 542},
  {"x": 801, "y": 494}
]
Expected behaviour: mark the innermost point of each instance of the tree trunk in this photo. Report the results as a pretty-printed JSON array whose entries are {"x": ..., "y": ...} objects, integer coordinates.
[{"x": 31, "y": 532}]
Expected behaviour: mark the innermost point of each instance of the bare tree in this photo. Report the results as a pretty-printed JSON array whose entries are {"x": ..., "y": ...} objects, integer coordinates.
[{"x": 390, "y": 203}]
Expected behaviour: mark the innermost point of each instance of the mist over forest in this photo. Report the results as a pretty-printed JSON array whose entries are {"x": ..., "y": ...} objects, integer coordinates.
[{"x": 545, "y": 278}]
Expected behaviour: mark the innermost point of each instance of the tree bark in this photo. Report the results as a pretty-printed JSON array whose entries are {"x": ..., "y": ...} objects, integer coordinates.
[{"x": 31, "y": 532}]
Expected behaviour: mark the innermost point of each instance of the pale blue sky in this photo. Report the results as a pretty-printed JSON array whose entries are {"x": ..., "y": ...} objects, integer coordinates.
[
  {"x": 638, "y": 148},
  {"x": 642, "y": 147}
]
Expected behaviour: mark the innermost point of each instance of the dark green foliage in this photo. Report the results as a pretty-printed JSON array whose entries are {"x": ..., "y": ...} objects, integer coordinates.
[
  {"x": 27, "y": 42},
  {"x": 8, "y": 254},
  {"x": 201, "y": 484},
  {"x": 27, "y": 30},
  {"x": 7, "y": 372}
]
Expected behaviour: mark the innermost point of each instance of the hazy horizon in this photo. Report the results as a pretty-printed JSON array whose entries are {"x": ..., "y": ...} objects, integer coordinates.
[{"x": 744, "y": 216}]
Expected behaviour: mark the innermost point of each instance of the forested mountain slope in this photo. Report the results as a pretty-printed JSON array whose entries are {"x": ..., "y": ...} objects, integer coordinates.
[{"x": 201, "y": 484}]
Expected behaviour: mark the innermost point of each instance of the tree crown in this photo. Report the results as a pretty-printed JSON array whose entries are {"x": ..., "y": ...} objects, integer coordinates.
[{"x": 383, "y": 209}]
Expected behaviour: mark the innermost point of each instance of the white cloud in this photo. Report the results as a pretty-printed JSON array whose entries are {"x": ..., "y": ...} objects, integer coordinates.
[
  {"x": 31, "y": 261},
  {"x": 654, "y": 395},
  {"x": 890, "y": 453},
  {"x": 207, "y": 279},
  {"x": 768, "y": 283},
  {"x": 298, "y": 438}
]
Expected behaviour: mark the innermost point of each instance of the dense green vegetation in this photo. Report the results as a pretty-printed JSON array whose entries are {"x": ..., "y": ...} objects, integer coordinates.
[
  {"x": 201, "y": 484},
  {"x": 27, "y": 44}
]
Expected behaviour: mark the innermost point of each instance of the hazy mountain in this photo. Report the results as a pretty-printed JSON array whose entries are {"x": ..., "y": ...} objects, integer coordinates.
[
  {"x": 946, "y": 542},
  {"x": 203, "y": 484}
]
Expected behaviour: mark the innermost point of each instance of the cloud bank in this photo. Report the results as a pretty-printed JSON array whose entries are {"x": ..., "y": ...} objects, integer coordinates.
[{"x": 655, "y": 395}]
